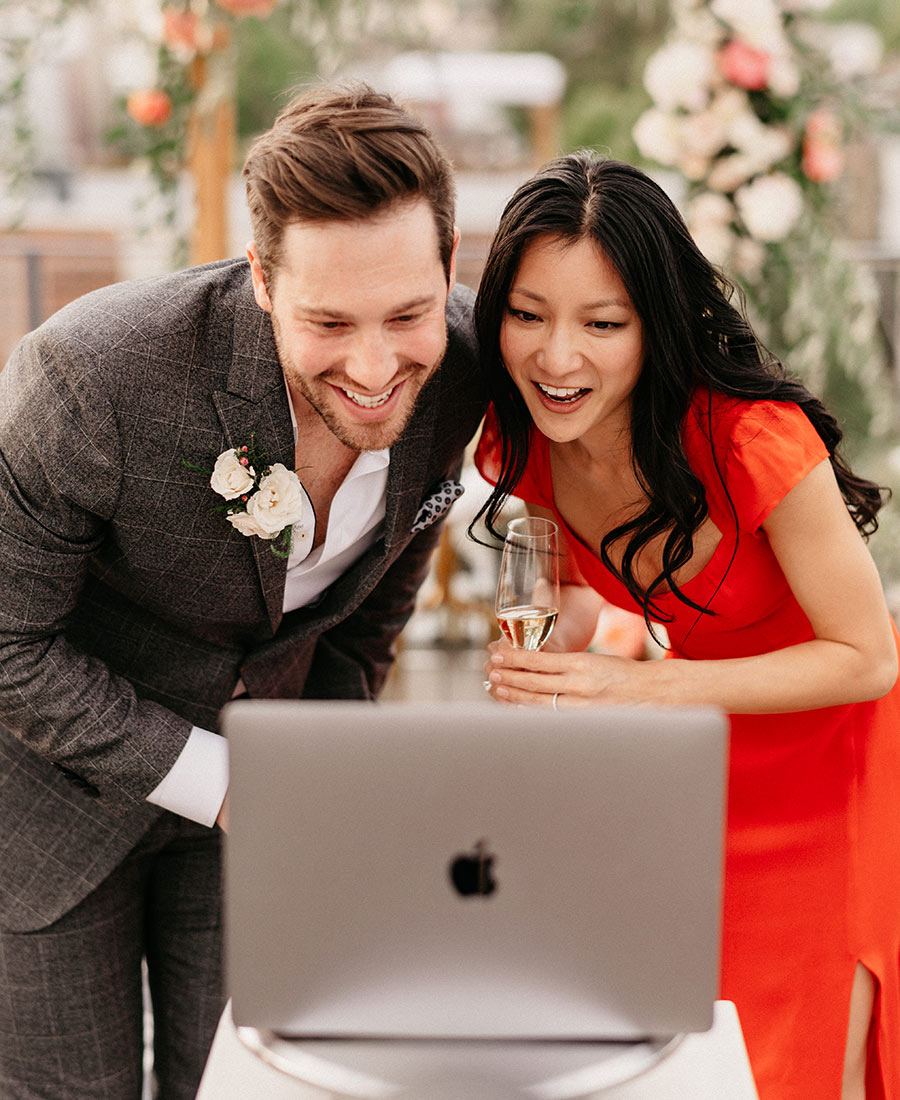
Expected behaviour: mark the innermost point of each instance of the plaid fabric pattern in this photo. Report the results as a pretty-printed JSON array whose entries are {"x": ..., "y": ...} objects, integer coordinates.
[{"x": 129, "y": 607}]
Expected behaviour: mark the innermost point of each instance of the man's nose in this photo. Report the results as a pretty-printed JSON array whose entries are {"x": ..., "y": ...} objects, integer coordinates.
[{"x": 372, "y": 363}]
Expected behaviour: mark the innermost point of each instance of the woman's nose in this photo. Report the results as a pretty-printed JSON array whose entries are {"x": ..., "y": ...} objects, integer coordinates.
[{"x": 558, "y": 352}]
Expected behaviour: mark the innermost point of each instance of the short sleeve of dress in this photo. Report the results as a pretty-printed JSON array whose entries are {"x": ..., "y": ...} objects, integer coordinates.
[
  {"x": 534, "y": 485},
  {"x": 771, "y": 447}
]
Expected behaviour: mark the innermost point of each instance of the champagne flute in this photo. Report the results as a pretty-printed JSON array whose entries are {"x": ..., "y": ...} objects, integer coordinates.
[{"x": 528, "y": 589}]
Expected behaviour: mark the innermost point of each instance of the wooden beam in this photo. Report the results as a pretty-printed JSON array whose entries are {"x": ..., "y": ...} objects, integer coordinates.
[{"x": 211, "y": 141}]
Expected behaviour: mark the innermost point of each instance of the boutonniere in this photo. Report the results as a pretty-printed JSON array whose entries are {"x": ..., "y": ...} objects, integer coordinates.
[{"x": 262, "y": 499}]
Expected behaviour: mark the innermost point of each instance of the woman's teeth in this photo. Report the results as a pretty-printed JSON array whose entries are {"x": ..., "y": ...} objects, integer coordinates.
[
  {"x": 367, "y": 402},
  {"x": 561, "y": 393}
]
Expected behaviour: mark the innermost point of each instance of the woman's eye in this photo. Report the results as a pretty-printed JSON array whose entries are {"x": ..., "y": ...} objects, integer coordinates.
[
  {"x": 523, "y": 314},
  {"x": 604, "y": 326}
]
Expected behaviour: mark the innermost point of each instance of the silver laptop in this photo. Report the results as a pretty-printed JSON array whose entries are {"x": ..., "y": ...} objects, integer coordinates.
[{"x": 454, "y": 871}]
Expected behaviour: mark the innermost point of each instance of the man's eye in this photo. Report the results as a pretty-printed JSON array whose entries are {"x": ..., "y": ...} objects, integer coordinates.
[
  {"x": 406, "y": 318},
  {"x": 331, "y": 325}
]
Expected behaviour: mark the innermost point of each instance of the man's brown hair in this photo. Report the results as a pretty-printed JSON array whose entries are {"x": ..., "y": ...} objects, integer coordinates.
[{"x": 343, "y": 154}]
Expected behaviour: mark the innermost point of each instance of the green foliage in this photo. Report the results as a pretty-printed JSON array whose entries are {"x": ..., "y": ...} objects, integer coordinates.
[
  {"x": 270, "y": 60},
  {"x": 603, "y": 45},
  {"x": 882, "y": 14},
  {"x": 602, "y": 116}
]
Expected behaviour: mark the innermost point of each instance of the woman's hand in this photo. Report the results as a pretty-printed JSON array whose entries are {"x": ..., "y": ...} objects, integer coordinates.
[{"x": 524, "y": 678}]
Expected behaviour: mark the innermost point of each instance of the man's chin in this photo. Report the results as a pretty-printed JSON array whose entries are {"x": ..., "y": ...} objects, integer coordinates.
[{"x": 368, "y": 435}]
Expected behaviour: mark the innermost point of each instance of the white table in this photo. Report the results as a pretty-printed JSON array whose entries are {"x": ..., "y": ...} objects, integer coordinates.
[{"x": 246, "y": 1065}]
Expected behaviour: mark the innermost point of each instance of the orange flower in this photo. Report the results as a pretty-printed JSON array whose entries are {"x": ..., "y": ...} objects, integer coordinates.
[
  {"x": 823, "y": 155},
  {"x": 744, "y": 66},
  {"x": 180, "y": 30},
  {"x": 241, "y": 8},
  {"x": 149, "y": 107}
]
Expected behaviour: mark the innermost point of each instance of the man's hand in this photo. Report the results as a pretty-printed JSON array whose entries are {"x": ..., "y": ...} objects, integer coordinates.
[{"x": 222, "y": 819}]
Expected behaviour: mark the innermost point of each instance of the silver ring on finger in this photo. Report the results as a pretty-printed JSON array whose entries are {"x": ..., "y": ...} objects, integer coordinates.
[{"x": 555, "y": 703}]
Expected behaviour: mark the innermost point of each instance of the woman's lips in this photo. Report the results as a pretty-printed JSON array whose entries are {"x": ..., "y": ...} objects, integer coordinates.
[{"x": 562, "y": 404}]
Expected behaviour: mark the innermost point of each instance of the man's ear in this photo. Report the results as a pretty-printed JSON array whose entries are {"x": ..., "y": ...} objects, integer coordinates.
[
  {"x": 451, "y": 277},
  {"x": 260, "y": 290}
]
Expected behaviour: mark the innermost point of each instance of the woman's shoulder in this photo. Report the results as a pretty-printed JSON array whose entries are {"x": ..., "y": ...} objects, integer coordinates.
[
  {"x": 739, "y": 421},
  {"x": 758, "y": 449}
]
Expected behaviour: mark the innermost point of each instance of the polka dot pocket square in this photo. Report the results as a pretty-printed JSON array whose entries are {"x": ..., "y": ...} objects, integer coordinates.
[{"x": 435, "y": 506}]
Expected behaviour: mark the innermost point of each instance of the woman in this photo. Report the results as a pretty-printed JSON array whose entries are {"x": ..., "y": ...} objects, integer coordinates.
[{"x": 695, "y": 483}]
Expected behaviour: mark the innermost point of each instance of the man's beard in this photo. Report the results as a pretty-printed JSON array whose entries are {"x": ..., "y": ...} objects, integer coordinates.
[{"x": 357, "y": 436}]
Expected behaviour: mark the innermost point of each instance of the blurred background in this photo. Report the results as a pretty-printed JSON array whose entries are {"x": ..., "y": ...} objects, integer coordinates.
[{"x": 774, "y": 124}]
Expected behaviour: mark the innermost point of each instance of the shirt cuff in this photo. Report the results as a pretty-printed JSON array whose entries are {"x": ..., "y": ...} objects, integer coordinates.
[{"x": 197, "y": 783}]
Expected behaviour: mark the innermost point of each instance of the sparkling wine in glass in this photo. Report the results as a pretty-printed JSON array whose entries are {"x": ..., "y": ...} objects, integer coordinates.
[{"x": 528, "y": 588}]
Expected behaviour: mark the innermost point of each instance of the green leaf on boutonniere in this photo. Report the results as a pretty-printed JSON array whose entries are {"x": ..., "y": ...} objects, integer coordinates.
[
  {"x": 195, "y": 467},
  {"x": 286, "y": 537}
]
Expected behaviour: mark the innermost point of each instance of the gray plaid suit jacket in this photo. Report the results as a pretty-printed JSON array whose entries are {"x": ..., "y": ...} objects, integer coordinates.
[{"x": 129, "y": 607}]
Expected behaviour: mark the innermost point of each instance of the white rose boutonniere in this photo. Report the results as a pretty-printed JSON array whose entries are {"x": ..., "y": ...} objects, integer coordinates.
[
  {"x": 232, "y": 475},
  {"x": 265, "y": 500}
]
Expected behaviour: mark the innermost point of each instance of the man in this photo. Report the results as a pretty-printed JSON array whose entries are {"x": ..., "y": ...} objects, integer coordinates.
[{"x": 137, "y": 595}]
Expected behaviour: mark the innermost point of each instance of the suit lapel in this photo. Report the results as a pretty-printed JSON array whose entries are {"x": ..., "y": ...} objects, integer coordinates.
[
  {"x": 256, "y": 404},
  {"x": 408, "y": 471}
]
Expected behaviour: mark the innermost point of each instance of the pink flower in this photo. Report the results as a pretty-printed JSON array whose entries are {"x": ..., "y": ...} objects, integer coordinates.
[
  {"x": 241, "y": 8},
  {"x": 180, "y": 30},
  {"x": 823, "y": 156},
  {"x": 744, "y": 66},
  {"x": 149, "y": 107}
]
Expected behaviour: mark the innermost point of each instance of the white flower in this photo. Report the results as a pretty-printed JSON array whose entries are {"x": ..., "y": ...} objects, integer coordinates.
[
  {"x": 656, "y": 134},
  {"x": 762, "y": 145},
  {"x": 230, "y": 478},
  {"x": 247, "y": 525},
  {"x": 758, "y": 22},
  {"x": 770, "y": 206},
  {"x": 715, "y": 242},
  {"x": 278, "y": 503},
  {"x": 784, "y": 76},
  {"x": 696, "y": 22},
  {"x": 703, "y": 134},
  {"x": 693, "y": 166},
  {"x": 708, "y": 216},
  {"x": 730, "y": 172},
  {"x": 805, "y": 5},
  {"x": 680, "y": 75},
  {"x": 748, "y": 258},
  {"x": 709, "y": 208},
  {"x": 854, "y": 49}
]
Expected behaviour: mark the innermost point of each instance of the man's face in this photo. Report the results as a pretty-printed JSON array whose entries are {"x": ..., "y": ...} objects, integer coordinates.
[{"x": 358, "y": 315}]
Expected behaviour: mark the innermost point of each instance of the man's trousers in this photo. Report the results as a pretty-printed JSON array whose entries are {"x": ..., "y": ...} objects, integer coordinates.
[{"x": 71, "y": 1007}]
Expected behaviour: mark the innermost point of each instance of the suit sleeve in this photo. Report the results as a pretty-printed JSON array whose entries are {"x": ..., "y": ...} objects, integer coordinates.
[{"x": 60, "y": 475}]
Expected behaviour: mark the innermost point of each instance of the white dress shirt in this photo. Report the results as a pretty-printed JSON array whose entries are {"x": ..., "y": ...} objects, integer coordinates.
[{"x": 195, "y": 786}]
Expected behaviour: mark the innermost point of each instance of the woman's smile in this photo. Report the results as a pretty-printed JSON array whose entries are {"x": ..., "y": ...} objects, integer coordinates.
[{"x": 572, "y": 341}]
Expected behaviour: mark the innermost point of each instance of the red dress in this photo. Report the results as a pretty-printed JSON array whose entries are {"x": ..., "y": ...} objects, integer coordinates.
[{"x": 812, "y": 876}]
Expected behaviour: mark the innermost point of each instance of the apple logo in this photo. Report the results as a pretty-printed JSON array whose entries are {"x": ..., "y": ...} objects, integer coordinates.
[{"x": 470, "y": 872}]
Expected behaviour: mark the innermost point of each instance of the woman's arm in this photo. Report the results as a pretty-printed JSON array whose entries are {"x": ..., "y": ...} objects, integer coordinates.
[{"x": 852, "y": 658}]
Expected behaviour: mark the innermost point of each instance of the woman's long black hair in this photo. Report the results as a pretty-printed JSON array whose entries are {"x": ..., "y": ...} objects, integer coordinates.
[{"x": 693, "y": 336}]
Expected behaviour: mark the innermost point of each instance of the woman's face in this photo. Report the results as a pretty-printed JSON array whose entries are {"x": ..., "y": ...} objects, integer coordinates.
[{"x": 572, "y": 340}]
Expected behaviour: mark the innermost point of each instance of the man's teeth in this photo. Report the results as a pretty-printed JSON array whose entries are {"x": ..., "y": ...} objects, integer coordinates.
[
  {"x": 561, "y": 393},
  {"x": 367, "y": 402}
]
